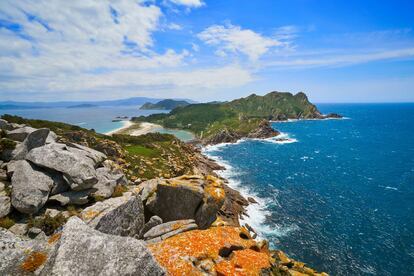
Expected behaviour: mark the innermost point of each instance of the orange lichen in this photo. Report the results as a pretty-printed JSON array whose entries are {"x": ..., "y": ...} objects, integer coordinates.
[
  {"x": 90, "y": 214},
  {"x": 243, "y": 262},
  {"x": 214, "y": 188},
  {"x": 176, "y": 226},
  {"x": 176, "y": 253},
  {"x": 54, "y": 238},
  {"x": 34, "y": 261}
]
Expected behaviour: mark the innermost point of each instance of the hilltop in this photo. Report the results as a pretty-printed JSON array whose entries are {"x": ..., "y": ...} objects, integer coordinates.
[
  {"x": 243, "y": 117},
  {"x": 167, "y": 104}
]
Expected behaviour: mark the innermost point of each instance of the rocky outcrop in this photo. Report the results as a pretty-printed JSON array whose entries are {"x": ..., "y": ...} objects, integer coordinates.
[
  {"x": 224, "y": 136},
  {"x": 30, "y": 188},
  {"x": 76, "y": 250},
  {"x": 169, "y": 229},
  {"x": 264, "y": 130},
  {"x": 77, "y": 167},
  {"x": 123, "y": 216},
  {"x": 5, "y": 202},
  {"x": 186, "y": 197},
  {"x": 20, "y": 134}
]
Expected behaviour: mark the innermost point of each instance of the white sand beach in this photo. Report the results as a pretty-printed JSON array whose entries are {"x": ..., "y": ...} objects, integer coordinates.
[
  {"x": 125, "y": 125},
  {"x": 144, "y": 128}
]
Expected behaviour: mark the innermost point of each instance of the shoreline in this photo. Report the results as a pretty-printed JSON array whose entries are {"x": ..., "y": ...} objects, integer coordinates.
[{"x": 126, "y": 124}]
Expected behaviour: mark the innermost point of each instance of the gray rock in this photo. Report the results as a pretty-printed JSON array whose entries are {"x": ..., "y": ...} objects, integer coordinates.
[
  {"x": 169, "y": 229},
  {"x": 3, "y": 175},
  {"x": 10, "y": 167},
  {"x": 175, "y": 202},
  {"x": 30, "y": 188},
  {"x": 123, "y": 216},
  {"x": 51, "y": 138},
  {"x": 5, "y": 204},
  {"x": 85, "y": 251},
  {"x": 34, "y": 232},
  {"x": 147, "y": 188},
  {"x": 153, "y": 221},
  {"x": 96, "y": 156},
  {"x": 34, "y": 139},
  {"x": 19, "y": 229},
  {"x": 52, "y": 212},
  {"x": 106, "y": 183},
  {"x": 4, "y": 125},
  {"x": 59, "y": 183},
  {"x": 78, "y": 170},
  {"x": 72, "y": 197},
  {"x": 20, "y": 134}
]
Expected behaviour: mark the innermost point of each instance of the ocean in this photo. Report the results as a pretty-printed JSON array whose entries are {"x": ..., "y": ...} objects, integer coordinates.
[
  {"x": 339, "y": 195},
  {"x": 97, "y": 118}
]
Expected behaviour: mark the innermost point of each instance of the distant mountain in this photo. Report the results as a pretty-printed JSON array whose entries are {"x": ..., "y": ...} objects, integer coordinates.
[
  {"x": 136, "y": 101},
  {"x": 167, "y": 104},
  {"x": 82, "y": 106}
]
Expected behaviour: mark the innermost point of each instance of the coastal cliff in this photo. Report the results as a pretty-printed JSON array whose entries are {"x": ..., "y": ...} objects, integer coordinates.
[
  {"x": 215, "y": 123},
  {"x": 76, "y": 202}
]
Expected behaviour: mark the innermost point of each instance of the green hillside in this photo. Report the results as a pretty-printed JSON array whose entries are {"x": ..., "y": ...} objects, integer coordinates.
[
  {"x": 167, "y": 104},
  {"x": 241, "y": 115}
]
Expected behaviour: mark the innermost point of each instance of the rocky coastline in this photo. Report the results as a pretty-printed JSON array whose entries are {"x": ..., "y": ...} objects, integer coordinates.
[{"x": 69, "y": 205}]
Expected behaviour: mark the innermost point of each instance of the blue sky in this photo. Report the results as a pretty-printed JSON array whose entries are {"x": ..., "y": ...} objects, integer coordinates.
[{"x": 335, "y": 51}]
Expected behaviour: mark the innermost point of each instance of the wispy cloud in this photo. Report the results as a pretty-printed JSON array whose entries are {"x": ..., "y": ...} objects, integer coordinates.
[
  {"x": 234, "y": 39},
  {"x": 188, "y": 3}
]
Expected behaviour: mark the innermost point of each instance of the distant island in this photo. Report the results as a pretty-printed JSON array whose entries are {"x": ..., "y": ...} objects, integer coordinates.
[
  {"x": 168, "y": 104},
  {"x": 246, "y": 117},
  {"x": 82, "y": 106}
]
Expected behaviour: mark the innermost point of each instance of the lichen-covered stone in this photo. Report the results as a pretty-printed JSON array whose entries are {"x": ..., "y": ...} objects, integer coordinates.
[
  {"x": 169, "y": 229},
  {"x": 81, "y": 250},
  {"x": 123, "y": 216}
]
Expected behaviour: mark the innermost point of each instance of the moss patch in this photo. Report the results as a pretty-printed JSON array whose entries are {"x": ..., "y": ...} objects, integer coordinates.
[{"x": 6, "y": 222}]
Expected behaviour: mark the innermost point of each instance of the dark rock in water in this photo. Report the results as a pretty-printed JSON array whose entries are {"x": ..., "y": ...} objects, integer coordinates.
[
  {"x": 333, "y": 115},
  {"x": 224, "y": 136},
  {"x": 30, "y": 187},
  {"x": 252, "y": 200},
  {"x": 264, "y": 130},
  {"x": 234, "y": 205},
  {"x": 77, "y": 168},
  {"x": 123, "y": 216}
]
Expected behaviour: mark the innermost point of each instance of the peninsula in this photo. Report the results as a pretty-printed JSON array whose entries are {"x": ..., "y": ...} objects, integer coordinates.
[{"x": 167, "y": 104}]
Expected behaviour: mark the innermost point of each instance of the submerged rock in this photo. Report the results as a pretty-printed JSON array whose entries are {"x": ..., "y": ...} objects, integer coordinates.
[
  {"x": 123, "y": 216},
  {"x": 30, "y": 187}
]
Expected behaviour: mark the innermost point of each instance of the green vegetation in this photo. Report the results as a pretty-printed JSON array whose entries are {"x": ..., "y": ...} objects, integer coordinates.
[
  {"x": 7, "y": 144},
  {"x": 167, "y": 104},
  {"x": 119, "y": 191},
  {"x": 47, "y": 223},
  {"x": 6, "y": 222},
  {"x": 140, "y": 150},
  {"x": 241, "y": 115}
]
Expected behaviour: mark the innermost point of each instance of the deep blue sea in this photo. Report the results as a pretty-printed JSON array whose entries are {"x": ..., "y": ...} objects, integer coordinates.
[{"x": 340, "y": 195}]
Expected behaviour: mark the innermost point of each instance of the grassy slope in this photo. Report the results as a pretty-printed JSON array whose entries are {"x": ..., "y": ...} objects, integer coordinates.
[
  {"x": 146, "y": 156},
  {"x": 241, "y": 115}
]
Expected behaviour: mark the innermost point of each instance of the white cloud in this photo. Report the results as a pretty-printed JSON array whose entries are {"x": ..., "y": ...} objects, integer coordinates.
[
  {"x": 234, "y": 39},
  {"x": 189, "y": 3},
  {"x": 174, "y": 26}
]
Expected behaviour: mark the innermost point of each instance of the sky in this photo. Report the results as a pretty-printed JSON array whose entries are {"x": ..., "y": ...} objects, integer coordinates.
[{"x": 334, "y": 51}]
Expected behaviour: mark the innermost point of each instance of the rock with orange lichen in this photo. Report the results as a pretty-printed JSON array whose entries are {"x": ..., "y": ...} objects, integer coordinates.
[
  {"x": 123, "y": 216},
  {"x": 225, "y": 250},
  {"x": 187, "y": 197},
  {"x": 169, "y": 229}
]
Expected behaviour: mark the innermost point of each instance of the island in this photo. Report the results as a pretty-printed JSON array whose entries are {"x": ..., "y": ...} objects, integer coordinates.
[
  {"x": 168, "y": 104},
  {"x": 215, "y": 123}
]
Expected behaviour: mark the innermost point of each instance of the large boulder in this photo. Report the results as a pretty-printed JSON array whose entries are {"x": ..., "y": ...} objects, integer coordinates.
[
  {"x": 187, "y": 197},
  {"x": 30, "y": 187},
  {"x": 20, "y": 134},
  {"x": 76, "y": 250},
  {"x": 122, "y": 216},
  {"x": 34, "y": 139},
  {"x": 96, "y": 156},
  {"x": 77, "y": 167},
  {"x": 107, "y": 180},
  {"x": 4, "y": 125}
]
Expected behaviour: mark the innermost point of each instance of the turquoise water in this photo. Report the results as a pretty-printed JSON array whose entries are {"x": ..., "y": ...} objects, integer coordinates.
[
  {"x": 340, "y": 195},
  {"x": 98, "y": 118}
]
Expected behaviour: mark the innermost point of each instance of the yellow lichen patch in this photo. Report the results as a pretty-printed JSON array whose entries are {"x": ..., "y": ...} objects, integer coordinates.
[
  {"x": 33, "y": 261},
  {"x": 54, "y": 238},
  {"x": 176, "y": 226},
  {"x": 243, "y": 262},
  {"x": 214, "y": 188},
  {"x": 176, "y": 253},
  {"x": 90, "y": 214}
]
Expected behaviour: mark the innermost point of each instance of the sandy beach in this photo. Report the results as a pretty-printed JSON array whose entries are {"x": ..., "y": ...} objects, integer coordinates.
[{"x": 135, "y": 129}]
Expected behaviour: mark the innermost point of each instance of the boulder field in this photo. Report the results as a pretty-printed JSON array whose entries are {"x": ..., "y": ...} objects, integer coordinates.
[{"x": 76, "y": 213}]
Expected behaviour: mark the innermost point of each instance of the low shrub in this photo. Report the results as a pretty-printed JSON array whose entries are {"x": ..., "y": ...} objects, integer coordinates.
[{"x": 6, "y": 222}]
